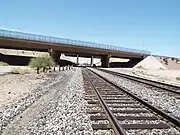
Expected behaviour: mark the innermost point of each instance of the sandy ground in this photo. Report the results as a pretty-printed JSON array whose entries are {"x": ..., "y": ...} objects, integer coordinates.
[
  {"x": 9, "y": 69},
  {"x": 170, "y": 63},
  {"x": 167, "y": 76},
  {"x": 152, "y": 68},
  {"x": 15, "y": 86},
  {"x": 150, "y": 63}
]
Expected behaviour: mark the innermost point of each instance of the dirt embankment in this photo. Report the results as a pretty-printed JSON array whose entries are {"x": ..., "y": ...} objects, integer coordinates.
[{"x": 170, "y": 62}]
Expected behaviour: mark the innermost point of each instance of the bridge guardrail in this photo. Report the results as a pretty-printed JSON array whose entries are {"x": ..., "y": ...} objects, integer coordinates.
[{"x": 29, "y": 36}]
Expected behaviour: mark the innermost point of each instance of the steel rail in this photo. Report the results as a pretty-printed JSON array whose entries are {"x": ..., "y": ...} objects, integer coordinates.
[
  {"x": 175, "y": 121},
  {"x": 118, "y": 129},
  {"x": 144, "y": 81}
]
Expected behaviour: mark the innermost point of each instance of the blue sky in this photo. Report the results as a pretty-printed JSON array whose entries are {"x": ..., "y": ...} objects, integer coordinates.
[{"x": 124, "y": 23}]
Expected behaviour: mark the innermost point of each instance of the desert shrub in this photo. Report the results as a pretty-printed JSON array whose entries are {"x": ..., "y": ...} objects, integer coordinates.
[
  {"x": 161, "y": 69},
  {"x": 140, "y": 67},
  {"x": 178, "y": 78},
  {"x": 166, "y": 61},
  {"x": 43, "y": 62},
  {"x": 172, "y": 59},
  {"x": 177, "y": 60},
  {"x": 3, "y": 63}
]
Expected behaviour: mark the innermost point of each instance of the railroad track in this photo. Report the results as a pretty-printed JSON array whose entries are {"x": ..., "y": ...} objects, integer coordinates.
[
  {"x": 115, "y": 109},
  {"x": 162, "y": 86}
]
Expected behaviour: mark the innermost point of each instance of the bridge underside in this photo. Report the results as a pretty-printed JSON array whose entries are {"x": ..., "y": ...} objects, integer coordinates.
[
  {"x": 131, "y": 63},
  {"x": 69, "y": 50},
  {"x": 24, "y": 60}
]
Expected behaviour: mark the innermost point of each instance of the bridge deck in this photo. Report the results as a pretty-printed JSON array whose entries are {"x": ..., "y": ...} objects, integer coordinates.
[{"x": 9, "y": 36}]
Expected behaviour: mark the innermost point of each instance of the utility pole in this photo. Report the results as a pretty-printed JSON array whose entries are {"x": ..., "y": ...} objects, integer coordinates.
[{"x": 142, "y": 45}]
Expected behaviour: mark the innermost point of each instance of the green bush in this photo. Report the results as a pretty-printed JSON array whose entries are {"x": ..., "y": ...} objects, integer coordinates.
[
  {"x": 3, "y": 63},
  {"x": 178, "y": 78},
  {"x": 43, "y": 62}
]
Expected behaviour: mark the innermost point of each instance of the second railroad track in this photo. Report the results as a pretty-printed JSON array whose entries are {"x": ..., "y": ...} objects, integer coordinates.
[
  {"x": 160, "y": 85},
  {"x": 114, "y": 108}
]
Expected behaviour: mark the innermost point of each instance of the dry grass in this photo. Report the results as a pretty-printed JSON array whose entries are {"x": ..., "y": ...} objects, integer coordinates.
[
  {"x": 140, "y": 67},
  {"x": 3, "y": 63},
  {"x": 161, "y": 69},
  {"x": 18, "y": 70}
]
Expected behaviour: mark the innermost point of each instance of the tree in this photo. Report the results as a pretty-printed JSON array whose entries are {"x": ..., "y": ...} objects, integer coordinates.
[{"x": 45, "y": 62}]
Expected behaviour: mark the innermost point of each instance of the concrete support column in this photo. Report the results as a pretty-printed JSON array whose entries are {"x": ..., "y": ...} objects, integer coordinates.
[
  {"x": 57, "y": 58},
  {"x": 50, "y": 51},
  {"x": 92, "y": 57},
  {"x": 55, "y": 55},
  {"x": 105, "y": 60},
  {"x": 77, "y": 60}
]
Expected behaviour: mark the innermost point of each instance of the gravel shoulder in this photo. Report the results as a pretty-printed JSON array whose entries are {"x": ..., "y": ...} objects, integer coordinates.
[
  {"x": 166, "y": 76},
  {"x": 59, "y": 109}
]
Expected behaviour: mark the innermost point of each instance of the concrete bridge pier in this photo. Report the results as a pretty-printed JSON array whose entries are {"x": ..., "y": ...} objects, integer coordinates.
[
  {"x": 77, "y": 60},
  {"x": 92, "y": 57},
  {"x": 56, "y": 58},
  {"x": 105, "y": 60},
  {"x": 55, "y": 55}
]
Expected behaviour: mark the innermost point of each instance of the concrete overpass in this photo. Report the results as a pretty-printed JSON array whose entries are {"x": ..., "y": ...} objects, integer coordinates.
[{"x": 55, "y": 46}]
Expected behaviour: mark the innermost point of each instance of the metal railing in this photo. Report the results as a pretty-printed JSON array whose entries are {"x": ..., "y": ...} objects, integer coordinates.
[{"x": 29, "y": 36}]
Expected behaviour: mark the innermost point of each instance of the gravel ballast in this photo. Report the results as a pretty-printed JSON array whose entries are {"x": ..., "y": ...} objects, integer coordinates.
[
  {"x": 158, "y": 99},
  {"x": 58, "y": 108}
]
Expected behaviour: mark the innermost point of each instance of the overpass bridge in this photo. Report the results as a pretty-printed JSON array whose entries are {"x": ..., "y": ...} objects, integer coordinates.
[{"x": 55, "y": 46}]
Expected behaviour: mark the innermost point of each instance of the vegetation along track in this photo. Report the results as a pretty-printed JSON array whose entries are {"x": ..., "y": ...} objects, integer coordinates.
[
  {"x": 162, "y": 86},
  {"x": 114, "y": 108}
]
